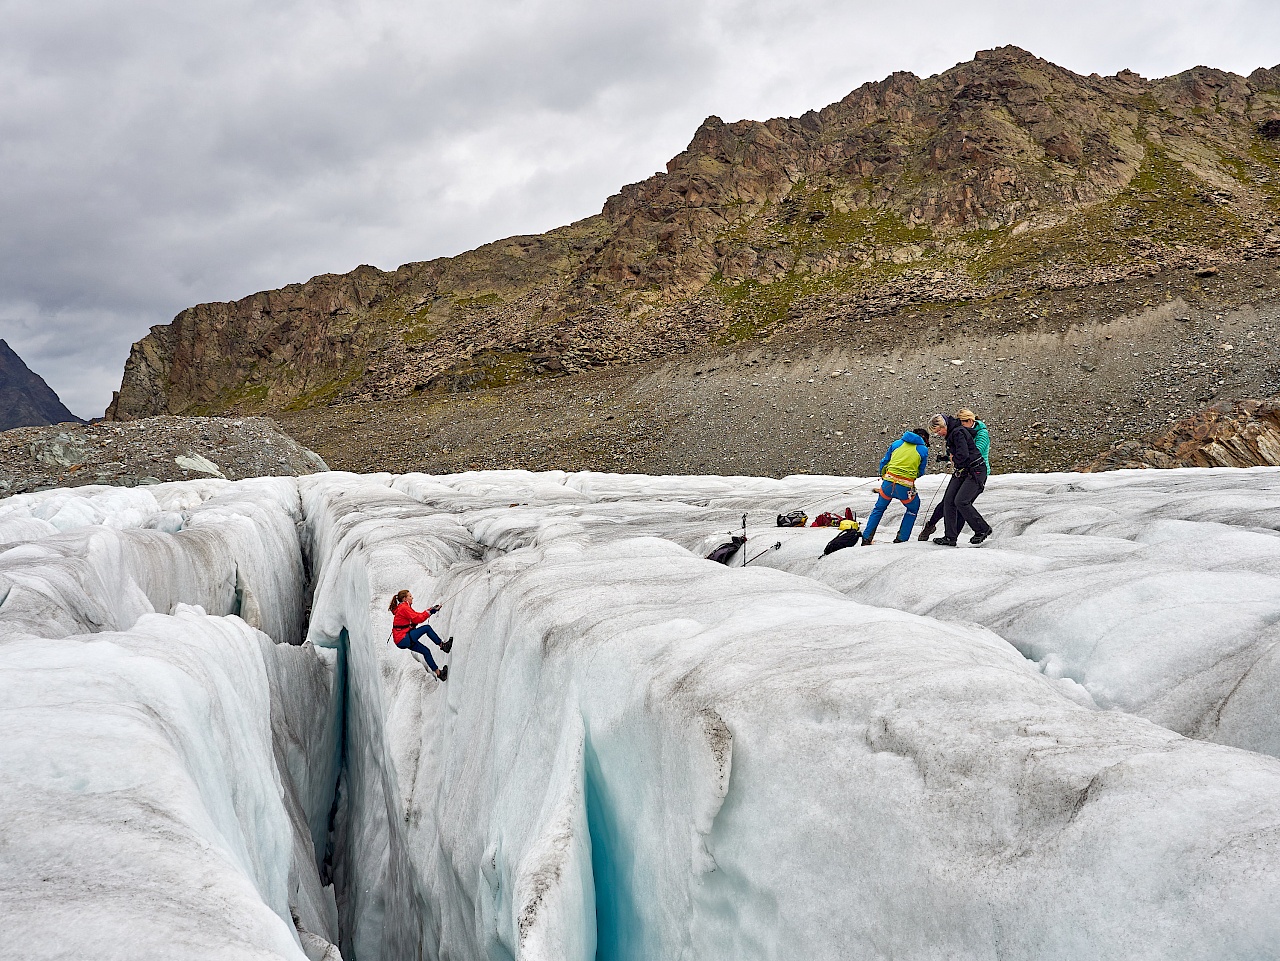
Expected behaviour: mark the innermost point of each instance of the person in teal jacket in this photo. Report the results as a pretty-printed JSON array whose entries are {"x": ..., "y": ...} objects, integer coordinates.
[
  {"x": 906, "y": 459},
  {"x": 982, "y": 441}
]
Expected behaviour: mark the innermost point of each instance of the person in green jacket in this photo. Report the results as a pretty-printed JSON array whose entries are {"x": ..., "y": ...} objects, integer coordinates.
[{"x": 982, "y": 441}]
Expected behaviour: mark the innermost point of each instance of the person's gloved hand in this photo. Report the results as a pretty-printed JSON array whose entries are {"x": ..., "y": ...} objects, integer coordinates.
[{"x": 436, "y": 609}]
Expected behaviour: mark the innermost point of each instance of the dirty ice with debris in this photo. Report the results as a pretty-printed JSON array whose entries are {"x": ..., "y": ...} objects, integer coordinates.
[{"x": 1060, "y": 745}]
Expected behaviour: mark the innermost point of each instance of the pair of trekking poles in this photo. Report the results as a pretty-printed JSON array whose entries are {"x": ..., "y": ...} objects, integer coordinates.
[{"x": 747, "y": 560}]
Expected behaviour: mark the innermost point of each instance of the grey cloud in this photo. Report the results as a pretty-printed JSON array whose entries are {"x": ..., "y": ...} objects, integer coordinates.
[{"x": 155, "y": 155}]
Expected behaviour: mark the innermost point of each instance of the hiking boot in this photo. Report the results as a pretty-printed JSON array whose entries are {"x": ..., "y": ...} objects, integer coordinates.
[
  {"x": 945, "y": 541},
  {"x": 865, "y": 542},
  {"x": 447, "y": 646},
  {"x": 901, "y": 540},
  {"x": 443, "y": 673},
  {"x": 927, "y": 532},
  {"x": 979, "y": 538}
]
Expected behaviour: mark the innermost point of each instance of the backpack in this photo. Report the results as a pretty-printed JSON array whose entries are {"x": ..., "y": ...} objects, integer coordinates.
[
  {"x": 828, "y": 519},
  {"x": 846, "y": 538},
  {"x": 724, "y": 553},
  {"x": 794, "y": 519}
]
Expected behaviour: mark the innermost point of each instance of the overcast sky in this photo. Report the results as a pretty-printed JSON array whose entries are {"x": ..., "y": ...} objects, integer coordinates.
[{"x": 157, "y": 154}]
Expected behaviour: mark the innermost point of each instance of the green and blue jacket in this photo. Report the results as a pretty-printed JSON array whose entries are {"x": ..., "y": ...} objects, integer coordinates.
[{"x": 906, "y": 459}]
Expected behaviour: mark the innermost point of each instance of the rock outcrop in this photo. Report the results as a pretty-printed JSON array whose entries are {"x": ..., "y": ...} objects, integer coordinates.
[
  {"x": 1004, "y": 173},
  {"x": 148, "y": 452},
  {"x": 25, "y": 399},
  {"x": 1242, "y": 433}
]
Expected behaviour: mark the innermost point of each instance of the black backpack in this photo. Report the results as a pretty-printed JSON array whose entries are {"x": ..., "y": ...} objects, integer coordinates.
[
  {"x": 794, "y": 519},
  {"x": 842, "y": 540},
  {"x": 724, "y": 553}
]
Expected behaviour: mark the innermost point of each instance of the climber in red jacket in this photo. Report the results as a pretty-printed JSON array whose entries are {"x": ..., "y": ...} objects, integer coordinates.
[{"x": 405, "y": 631}]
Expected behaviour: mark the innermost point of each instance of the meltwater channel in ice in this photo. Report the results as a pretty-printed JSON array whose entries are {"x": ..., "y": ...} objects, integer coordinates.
[{"x": 1061, "y": 745}]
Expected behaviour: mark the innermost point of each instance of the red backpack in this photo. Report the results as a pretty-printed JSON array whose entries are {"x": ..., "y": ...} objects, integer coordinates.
[{"x": 828, "y": 519}]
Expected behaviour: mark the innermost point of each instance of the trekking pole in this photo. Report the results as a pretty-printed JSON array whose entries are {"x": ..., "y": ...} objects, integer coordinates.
[
  {"x": 744, "y": 540},
  {"x": 775, "y": 547},
  {"x": 928, "y": 509}
]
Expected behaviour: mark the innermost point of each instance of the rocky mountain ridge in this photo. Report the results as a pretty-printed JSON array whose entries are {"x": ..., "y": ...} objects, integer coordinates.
[
  {"x": 940, "y": 196},
  {"x": 25, "y": 399}
]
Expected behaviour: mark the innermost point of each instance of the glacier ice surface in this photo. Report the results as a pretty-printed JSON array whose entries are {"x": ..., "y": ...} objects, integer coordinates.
[{"x": 1061, "y": 745}]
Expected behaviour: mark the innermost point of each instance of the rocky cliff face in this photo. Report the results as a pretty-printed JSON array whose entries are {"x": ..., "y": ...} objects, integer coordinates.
[
  {"x": 25, "y": 399},
  {"x": 1004, "y": 173},
  {"x": 1243, "y": 433}
]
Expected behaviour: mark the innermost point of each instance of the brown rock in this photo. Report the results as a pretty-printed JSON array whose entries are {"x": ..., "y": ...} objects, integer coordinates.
[{"x": 1244, "y": 433}]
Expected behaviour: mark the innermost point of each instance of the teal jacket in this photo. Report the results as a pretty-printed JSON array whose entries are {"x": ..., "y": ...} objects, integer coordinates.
[{"x": 982, "y": 441}]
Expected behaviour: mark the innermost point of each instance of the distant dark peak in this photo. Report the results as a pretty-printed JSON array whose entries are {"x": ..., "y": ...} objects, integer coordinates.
[{"x": 25, "y": 399}]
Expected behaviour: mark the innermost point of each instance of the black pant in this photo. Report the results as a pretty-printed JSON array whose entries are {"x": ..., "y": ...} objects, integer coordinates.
[
  {"x": 936, "y": 518},
  {"x": 957, "y": 502},
  {"x": 933, "y": 520}
]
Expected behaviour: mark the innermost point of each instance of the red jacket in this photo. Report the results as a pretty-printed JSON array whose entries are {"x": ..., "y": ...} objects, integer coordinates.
[{"x": 404, "y": 618}]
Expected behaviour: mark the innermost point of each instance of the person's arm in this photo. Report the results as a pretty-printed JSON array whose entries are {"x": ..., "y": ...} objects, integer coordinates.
[
  {"x": 966, "y": 451},
  {"x": 417, "y": 617},
  {"x": 982, "y": 439},
  {"x": 924, "y": 458}
]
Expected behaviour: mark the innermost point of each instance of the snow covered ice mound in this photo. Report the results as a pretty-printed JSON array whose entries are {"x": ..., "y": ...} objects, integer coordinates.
[
  {"x": 1159, "y": 596},
  {"x": 1058, "y": 746}
]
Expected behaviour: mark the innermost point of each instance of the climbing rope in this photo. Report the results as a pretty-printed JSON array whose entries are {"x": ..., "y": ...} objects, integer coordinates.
[
  {"x": 928, "y": 510},
  {"x": 827, "y": 497}
]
